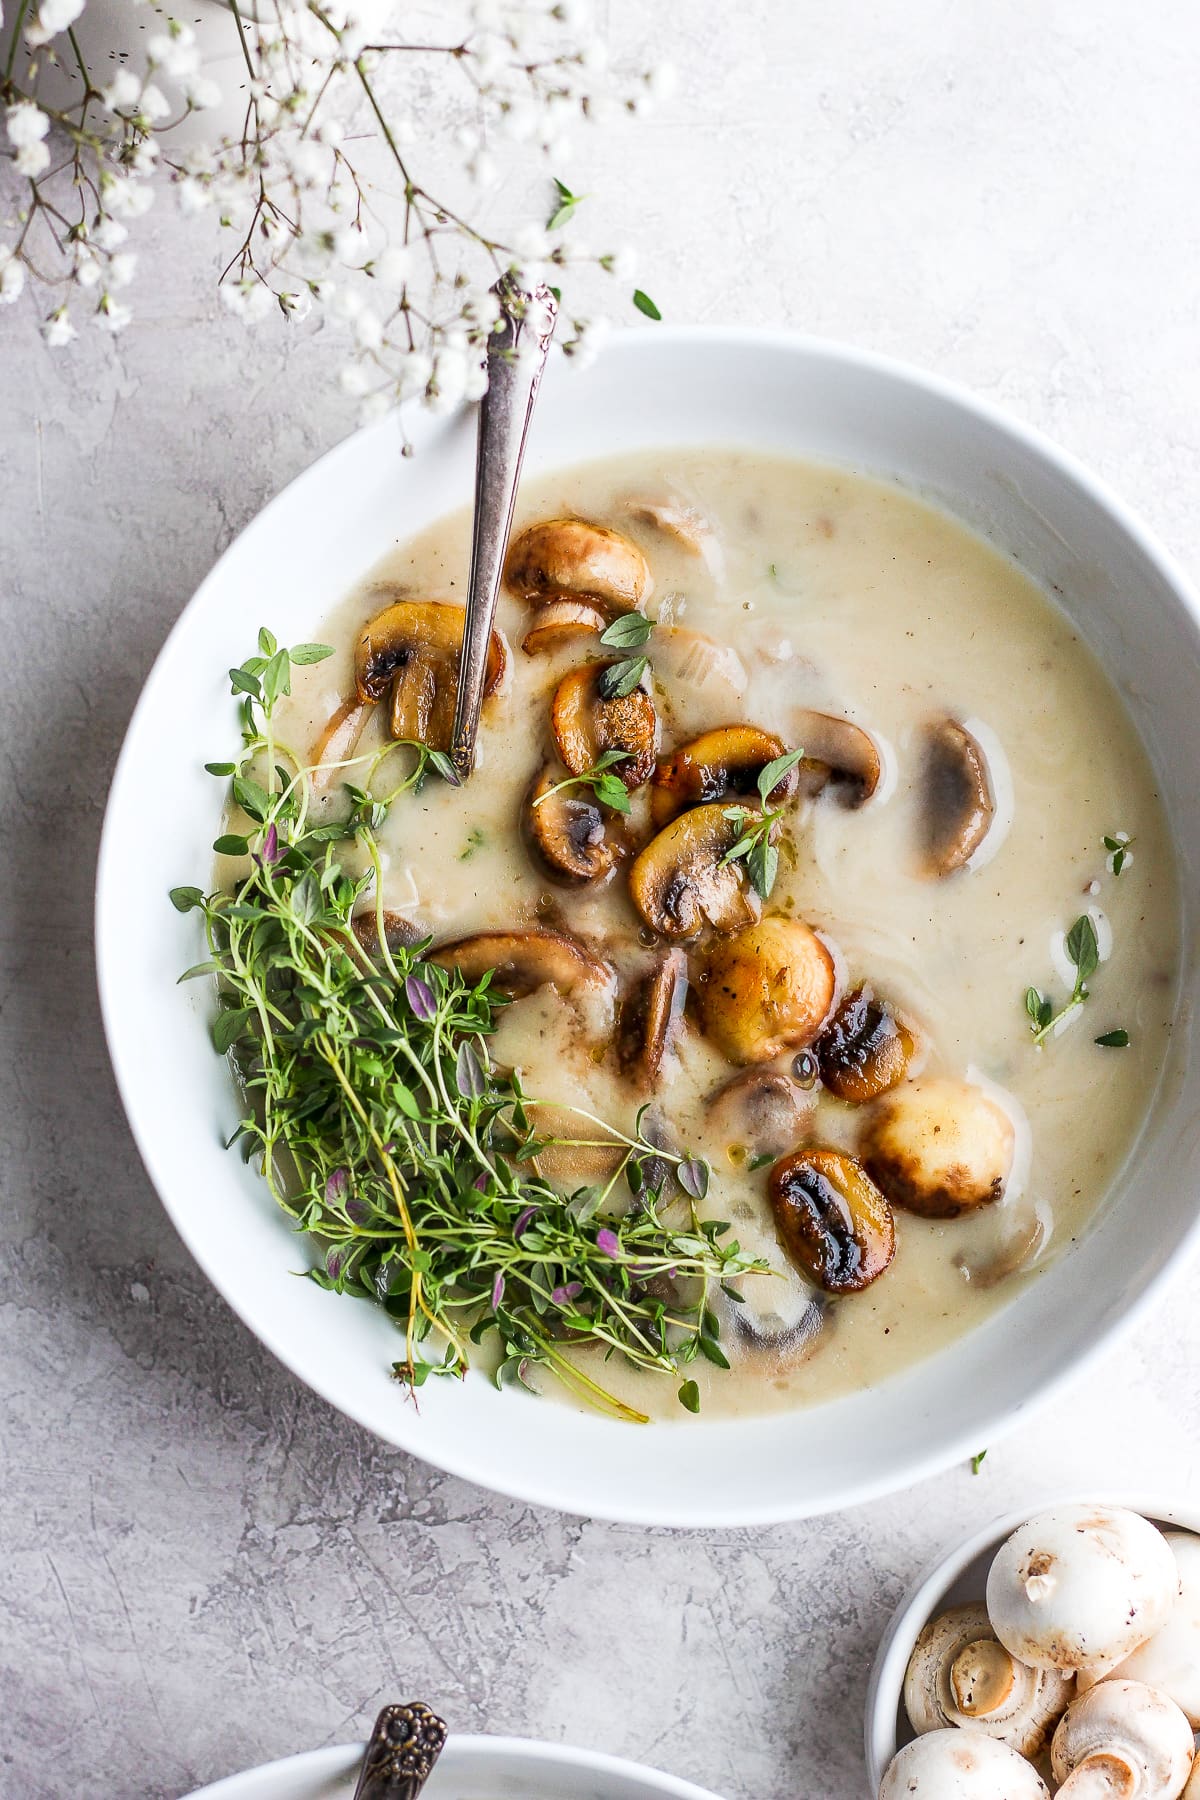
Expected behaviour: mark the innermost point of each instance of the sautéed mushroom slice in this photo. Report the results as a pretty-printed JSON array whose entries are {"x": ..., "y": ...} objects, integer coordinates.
[
  {"x": 412, "y": 649},
  {"x": 652, "y": 1017},
  {"x": 680, "y": 882},
  {"x": 957, "y": 798},
  {"x": 571, "y": 559},
  {"x": 566, "y": 831},
  {"x": 718, "y": 765}
]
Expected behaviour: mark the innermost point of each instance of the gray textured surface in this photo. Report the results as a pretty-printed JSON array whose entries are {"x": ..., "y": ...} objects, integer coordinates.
[{"x": 202, "y": 1566}]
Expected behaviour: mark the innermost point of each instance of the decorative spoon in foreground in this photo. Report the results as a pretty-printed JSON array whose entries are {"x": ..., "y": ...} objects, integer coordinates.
[
  {"x": 516, "y": 356},
  {"x": 404, "y": 1744}
]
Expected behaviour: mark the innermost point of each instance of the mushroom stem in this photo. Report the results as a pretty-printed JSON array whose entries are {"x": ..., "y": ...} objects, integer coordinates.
[
  {"x": 981, "y": 1678},
  {"x": 1104, "y": 1777},
  {"x": 1122, "y": 1741}
]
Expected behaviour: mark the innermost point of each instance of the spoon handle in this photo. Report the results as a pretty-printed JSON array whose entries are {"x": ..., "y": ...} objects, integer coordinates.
[
  {"x": 401, "y": 1751},
  {"x": 516, "y": 357}
]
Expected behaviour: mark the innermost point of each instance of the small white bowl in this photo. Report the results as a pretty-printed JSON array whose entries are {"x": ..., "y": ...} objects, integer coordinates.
[
  {"x": 955, "y": 1579},
  {"x": 469, "y": 1768},
  {"x": 768, "y": 392}
]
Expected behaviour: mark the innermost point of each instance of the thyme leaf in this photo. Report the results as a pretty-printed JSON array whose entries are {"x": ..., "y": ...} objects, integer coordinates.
[
  {"x": 1083, "y": 951},
  {"x": 756, "y": 828},
  {"x": 619, "y": 679},
  {"x": 609, "y": 789}
]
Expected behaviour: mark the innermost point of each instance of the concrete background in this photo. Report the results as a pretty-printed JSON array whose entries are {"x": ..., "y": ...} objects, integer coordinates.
[{"x": 202, "y": 1566}]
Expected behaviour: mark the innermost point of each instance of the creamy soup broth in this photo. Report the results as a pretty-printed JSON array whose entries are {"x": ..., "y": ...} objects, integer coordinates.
[{"x": 824, "y": 589}]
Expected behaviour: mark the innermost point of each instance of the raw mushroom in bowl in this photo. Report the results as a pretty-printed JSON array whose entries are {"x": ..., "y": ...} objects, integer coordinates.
[
  {"x": 1081, "y": 1585},
  {"x": 959, "y": 1764},
  {"x": 1122, "y": 1741},
  {"x": 1170, "y": 1660},
  {"x": 960, "y": 1674}
]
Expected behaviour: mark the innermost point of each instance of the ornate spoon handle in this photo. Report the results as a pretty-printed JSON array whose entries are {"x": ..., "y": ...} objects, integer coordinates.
[
  {"x": 403, "y": 1747},
  {"x": 516, "y": 357}
]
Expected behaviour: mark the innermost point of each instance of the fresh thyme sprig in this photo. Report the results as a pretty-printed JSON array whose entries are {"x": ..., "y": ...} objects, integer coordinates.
[
  {"x": 629, "y": 631},
  {"x": 386, "y": 1131},
  {"x": 754, "y": 844},
  {"x": 1083, "y": 952},
  {"x": 610, "y": 790}
]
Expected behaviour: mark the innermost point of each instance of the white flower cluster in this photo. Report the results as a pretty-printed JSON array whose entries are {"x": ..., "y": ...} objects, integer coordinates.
[{"x": 332, "y": 87}]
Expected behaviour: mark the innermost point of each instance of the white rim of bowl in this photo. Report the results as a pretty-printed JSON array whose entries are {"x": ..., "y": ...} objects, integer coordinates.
[
  {"x": 473, "y": 1748},
  {"x": 922, "y": 1600},
  {"x": 920, "y": 1468}
]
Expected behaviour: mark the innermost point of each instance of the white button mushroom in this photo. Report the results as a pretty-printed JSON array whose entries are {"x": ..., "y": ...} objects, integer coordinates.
[
  {"x": 1080, "y": 1585},
  {"x": 960, "y": 1765},
  {"x": 1170, "y": 1660},
  {"x": 960, "y": 1674},
  {"x": 1192, "y": 1790},
  {"x": 1122, "y": 1741}
]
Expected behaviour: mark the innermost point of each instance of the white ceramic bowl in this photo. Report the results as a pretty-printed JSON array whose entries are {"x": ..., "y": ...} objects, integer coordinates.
[
  {"x": 954, "y": 1579},
  {"x": 469, "y": 1768},
  {"x": 770, "y": 392}
]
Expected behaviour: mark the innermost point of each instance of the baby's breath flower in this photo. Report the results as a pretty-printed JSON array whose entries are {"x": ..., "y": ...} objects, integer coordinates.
[
  {"x": 193, "y": 195},
  {"x": 297, "y": 305},
  {"x": 112, "y": 314},
  {"x": 621, "y": 263},
  {"x": 368, "y": 330},
  {"x": 26, "y": 124},
  {"x": 109, "y": 234},
  {"x": 58, "y": 330},
  {"x": 153, "y": 104},
  {"x": 12, "y": 277},
  {"x": 175, "y": 55},
  {"x": 121, "y": 269},
  {"x": 32, "y": 160},
  {"x": 125, "y": 197},
  {"x": 201, "y": 92},
  {"x": 289, "y": 194},
  {"x": 49, "y": 19},
  {"x": 393, "y": 266},
  {"x": 122, "y": 92}
]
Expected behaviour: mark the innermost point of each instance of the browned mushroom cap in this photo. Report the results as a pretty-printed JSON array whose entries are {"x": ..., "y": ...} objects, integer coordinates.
[
  {"x": 679, "y": 883},
  {"x": 837, "y": 754},
  {"x": 832, "y": 1219},
  {"x": 565, "y": 831},
  {"x": 864, "y": 1049},
  {"x": 559, "y": 622},
  {"x": 414, "y": 647},
  {"x": 522, "y": 961},
  {"x": 768, "y": 988},
  {"x": 399, "y": 933},
  {"x": 335, "y": 745},
  {"x": 651, "y": 1015},
  {"x": 958, "y": 803},
  {"x": 585, "y": 725},
  {"x": 761, "y": 1112},
  {"x": 939, "y": 1147},
  {"x": 575, "y": 560},
  {"x": 718, "y": 765}
]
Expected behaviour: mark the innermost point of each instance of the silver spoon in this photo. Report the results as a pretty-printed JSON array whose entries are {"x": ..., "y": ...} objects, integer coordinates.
[
  {"x": 404, "y": 1745},
  {"x": 528, "y": 319}
]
